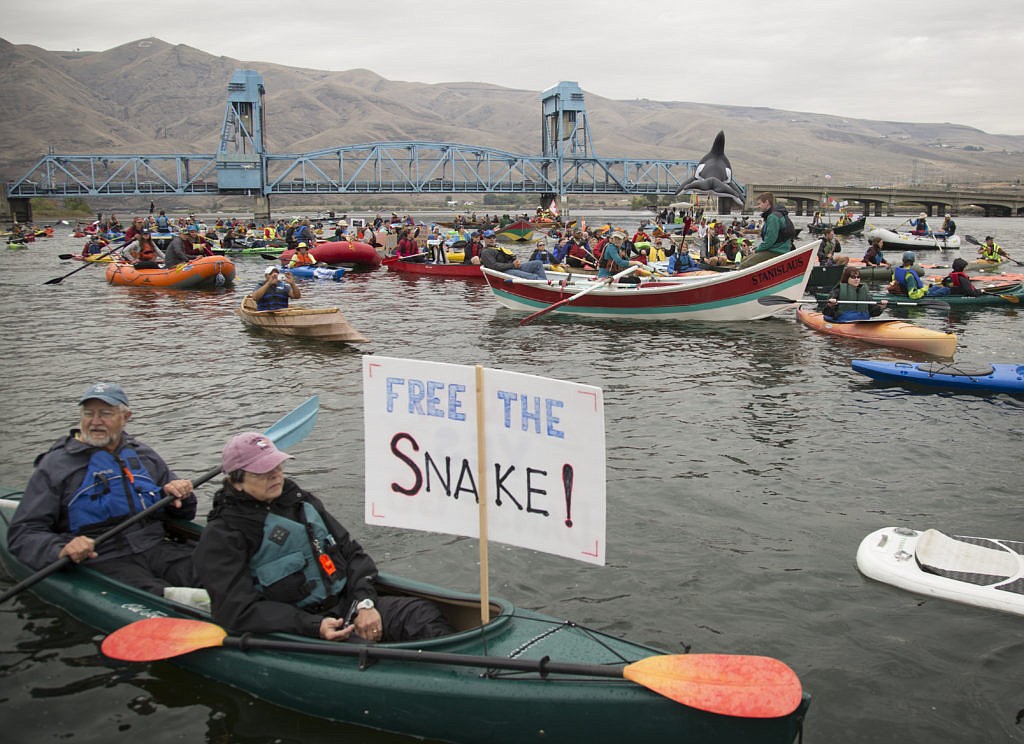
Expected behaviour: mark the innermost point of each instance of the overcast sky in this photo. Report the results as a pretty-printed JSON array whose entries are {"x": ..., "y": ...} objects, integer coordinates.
[{"x": 895, "y": 60}]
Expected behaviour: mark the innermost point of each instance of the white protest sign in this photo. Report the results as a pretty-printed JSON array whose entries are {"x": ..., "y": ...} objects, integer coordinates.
[{"x": 543, "y": 443}]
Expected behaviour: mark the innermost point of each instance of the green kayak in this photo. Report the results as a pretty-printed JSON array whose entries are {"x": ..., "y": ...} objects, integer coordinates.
[
  {"x": 1004, "y": 294},
  {"x": 276, "y": 250},
  {"x": 522, "y": 690}
]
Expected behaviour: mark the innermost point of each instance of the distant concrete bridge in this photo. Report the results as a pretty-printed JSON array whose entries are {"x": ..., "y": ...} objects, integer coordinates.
[{"x": 886, "y": 200}]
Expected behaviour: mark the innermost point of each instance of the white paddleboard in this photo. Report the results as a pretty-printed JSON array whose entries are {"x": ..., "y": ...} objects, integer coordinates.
[{"x": 978, "y": 571}]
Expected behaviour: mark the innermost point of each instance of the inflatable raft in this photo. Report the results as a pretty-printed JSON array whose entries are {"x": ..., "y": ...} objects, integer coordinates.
[
  {"x": 362, "y": 255},
  {"x": 201, "y": 273},
  {"x": 992, "y": 378},
  {"x": 884, "y": 332}
]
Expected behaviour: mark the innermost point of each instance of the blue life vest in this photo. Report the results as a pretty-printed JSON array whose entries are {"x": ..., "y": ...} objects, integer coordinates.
[
  {"x": 287, "y": 549},
  {"x": 275, "y": 298},
  {"x": 114, "y": 487},
  {"x": 680, "y": 262},
  {"x": 162, "y": 224}
]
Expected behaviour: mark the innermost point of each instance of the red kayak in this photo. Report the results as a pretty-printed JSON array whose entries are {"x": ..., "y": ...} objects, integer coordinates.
[{"x": 445, "y": 270}]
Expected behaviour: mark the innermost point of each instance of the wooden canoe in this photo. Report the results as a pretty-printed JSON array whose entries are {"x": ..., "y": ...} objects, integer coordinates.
[{"x": 319, "y": 324}]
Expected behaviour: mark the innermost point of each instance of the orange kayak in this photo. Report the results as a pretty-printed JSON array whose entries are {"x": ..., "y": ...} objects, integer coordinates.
[
  {"x": 884, "y": 332},
  {"x": 205, "y": 272}
]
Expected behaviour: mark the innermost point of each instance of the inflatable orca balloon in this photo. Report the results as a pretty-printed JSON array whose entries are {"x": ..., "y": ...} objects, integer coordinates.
[{"x": 714, "y": 174}]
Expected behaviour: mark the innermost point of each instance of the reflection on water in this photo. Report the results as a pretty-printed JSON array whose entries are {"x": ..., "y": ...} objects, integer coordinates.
[{"x": 744, "y": 464}]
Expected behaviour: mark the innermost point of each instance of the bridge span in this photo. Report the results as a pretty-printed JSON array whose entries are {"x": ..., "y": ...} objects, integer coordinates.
[
  {"x": 887, "y": 200},
  {"x": 242, "y": 165}
]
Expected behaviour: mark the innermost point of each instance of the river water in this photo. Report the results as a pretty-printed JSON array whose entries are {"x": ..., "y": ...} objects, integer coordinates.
[{"x": 745, "y": 462}]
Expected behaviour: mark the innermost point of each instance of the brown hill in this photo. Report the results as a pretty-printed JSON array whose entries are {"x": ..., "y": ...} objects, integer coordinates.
[{"x": 152, "y": 97}]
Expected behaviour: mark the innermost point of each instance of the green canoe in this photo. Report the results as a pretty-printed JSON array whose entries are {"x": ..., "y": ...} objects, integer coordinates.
[
  {"x": 449, "y": 702},
  {"x": 1004, "y": 294}
]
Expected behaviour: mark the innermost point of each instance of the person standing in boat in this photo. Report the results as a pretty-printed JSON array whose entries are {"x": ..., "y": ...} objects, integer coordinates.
[
  {"x": 776, "y": 235},
  {"x": 850, "y": 290},
  {"x": 274, "y": 560},
  {"x": 304, "y": 234},
  {"x": 274, "y": 293},
  {"x": 828, "y": 248},
  {"x": 89, "y": 481}
]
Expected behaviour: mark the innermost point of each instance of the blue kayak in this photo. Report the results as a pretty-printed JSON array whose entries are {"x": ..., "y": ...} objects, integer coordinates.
[
  {"x": 996, "y": 378},
  {"x": 316, "y": 272}
]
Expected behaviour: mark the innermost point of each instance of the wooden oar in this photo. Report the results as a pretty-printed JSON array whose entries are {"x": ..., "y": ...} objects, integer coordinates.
[
  {"x": 573, "y": 298},
  {"x": 780, "y": 300},
  {"x": 87, "y": 264},
  {"x": 286, "y": 431},
  {"x": 974, "y": 241},
  {"x": 730, "y": 685}
]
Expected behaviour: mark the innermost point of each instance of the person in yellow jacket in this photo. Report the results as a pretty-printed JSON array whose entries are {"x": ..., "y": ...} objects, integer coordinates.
[{"x": 991, "y": 251}]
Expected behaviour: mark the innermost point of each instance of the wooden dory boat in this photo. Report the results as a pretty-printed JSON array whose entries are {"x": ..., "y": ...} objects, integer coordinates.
[
  {"x": 896, "y": 241},
  {"x": 436, "y": 700},
  {"x": 884, "y": 332},
  {"x": 320, "y": 324},
  {"x": 202, "y": 273},
  {"x": 726, "y": 295}
]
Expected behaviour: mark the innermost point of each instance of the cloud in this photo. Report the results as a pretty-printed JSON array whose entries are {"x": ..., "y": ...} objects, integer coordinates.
[{"x": 908, "y": 61}]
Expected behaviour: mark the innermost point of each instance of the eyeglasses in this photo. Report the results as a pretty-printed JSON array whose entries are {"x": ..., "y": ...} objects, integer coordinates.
[
  {"x": 278, "y": 469},
  {"x": 103, "y": 413}
]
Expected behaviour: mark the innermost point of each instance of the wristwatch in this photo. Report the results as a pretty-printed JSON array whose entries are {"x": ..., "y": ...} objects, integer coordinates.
[{"x": 366, "y": 604}]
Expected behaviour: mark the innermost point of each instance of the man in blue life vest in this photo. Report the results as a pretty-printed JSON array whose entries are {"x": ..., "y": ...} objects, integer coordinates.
[
  {"x": 91, "y": 480},
  {"x": 274, "y": 293}
]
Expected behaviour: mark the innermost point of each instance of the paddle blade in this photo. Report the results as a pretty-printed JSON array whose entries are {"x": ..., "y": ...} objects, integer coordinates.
[
  {"x": 294, "y": 427},
  {"x": 730, "y": 685},
  {"x": 777, "y": 300},
  {"x": 157, "y": 638}
]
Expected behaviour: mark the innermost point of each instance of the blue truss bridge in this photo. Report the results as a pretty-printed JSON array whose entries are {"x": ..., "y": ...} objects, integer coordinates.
[{"x": 242, "y": 165}]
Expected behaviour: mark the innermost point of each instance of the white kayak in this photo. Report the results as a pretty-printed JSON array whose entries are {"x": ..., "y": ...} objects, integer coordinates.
[{"x": 978, "y": 571}]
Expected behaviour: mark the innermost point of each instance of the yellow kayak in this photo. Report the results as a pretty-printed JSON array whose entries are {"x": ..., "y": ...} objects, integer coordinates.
[{"x": 884, "y": 332}]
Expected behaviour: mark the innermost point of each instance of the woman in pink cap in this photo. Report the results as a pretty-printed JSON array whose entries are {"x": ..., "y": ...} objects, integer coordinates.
[{"x": 274, "y": 560}]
